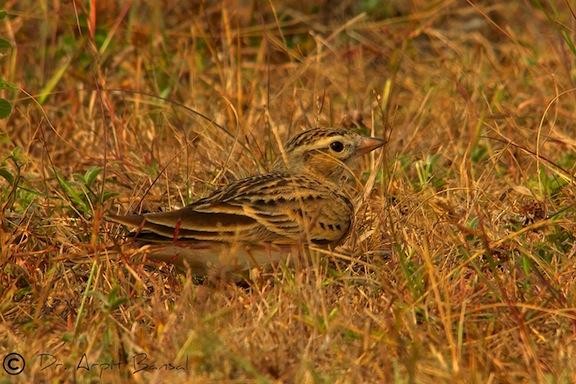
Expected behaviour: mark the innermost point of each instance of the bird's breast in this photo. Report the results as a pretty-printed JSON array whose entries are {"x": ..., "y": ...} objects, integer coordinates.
[{"x": 330, "y": 219}]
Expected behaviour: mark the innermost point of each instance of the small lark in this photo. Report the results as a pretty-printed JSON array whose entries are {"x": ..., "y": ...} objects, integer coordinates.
[{"x": 259, "y": 219}]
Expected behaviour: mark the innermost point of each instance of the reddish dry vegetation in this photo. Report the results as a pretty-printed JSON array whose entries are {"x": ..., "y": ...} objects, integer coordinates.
[{"x": 461, "y": 266}]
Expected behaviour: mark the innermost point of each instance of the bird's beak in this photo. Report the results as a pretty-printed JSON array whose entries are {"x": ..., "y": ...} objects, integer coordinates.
[{"x": 368, "y": 144}]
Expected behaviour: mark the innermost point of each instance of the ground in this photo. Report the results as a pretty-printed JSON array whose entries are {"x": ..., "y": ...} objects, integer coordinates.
[{"x": 461, "y": 264}]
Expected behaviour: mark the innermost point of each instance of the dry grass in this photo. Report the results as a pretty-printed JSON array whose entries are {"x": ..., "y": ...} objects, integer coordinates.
[{"x": 462, "y": 265}]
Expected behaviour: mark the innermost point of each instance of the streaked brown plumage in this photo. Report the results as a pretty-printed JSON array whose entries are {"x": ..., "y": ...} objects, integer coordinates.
[{"x": 259, "y": 219}]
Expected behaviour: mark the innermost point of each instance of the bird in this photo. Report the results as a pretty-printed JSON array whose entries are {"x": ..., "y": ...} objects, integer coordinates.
[{"x": 261, "y": 219}]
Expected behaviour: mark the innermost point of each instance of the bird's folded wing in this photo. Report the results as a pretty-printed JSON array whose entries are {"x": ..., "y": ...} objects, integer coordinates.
[
  {"x": 186, "y": 223},
  {"x": 274, "y": 207}
]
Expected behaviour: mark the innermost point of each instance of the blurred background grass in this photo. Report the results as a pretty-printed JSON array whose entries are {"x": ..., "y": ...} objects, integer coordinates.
[{"x": 461, "y": 265}]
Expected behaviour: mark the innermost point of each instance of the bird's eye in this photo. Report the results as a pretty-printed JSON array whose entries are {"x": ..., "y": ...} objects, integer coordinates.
[{"x": 337, "y": 146}]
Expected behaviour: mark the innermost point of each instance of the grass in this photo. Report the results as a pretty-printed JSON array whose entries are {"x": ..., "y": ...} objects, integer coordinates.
[{"x": 461, "y": 266}]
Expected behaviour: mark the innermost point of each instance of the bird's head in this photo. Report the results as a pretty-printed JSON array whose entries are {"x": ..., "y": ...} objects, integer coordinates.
[{"x": 325, "y": 152}]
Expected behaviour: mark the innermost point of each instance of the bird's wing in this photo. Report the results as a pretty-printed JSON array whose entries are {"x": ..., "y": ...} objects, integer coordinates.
[
  {"x": 274, "y": 207},
  {"x": 186, "y": 223}
]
